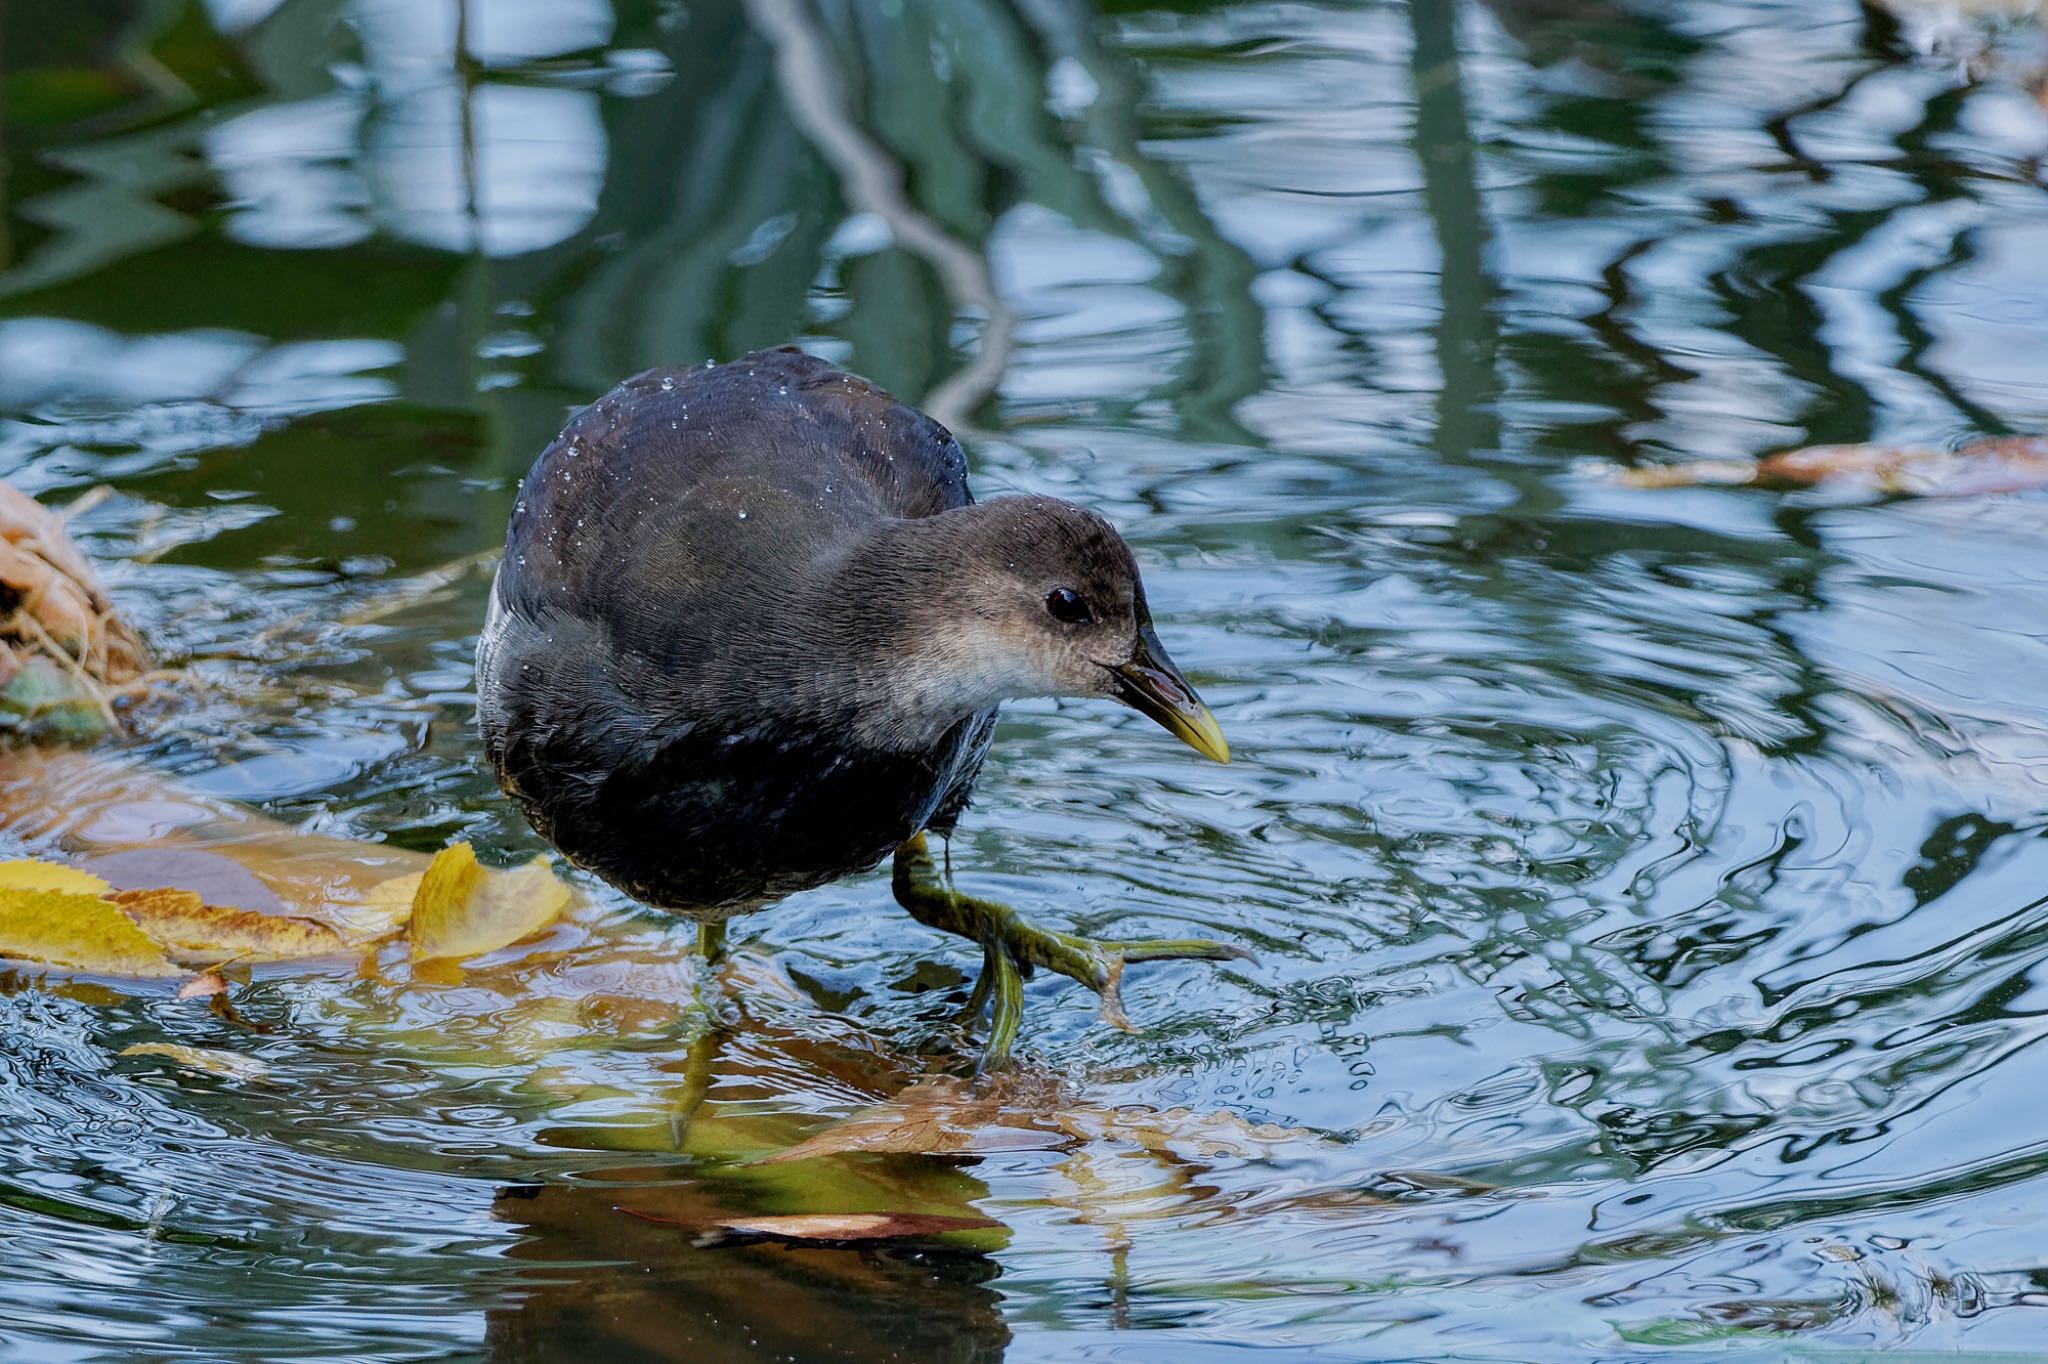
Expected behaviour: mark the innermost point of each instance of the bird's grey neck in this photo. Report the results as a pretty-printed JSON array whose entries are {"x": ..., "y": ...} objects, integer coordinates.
[{"x": 896, "y": 609}]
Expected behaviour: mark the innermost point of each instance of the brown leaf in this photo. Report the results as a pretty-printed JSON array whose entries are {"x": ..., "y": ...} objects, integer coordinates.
[
  {"x": 61, "y": 612},
  {"x": 82, "y": 932},
  {"x": 1023, "y": 1111},
  {"x": 148, "y": 832},
  {"x": 216, "y": 879},
  {"x": 941, "y": 1116},
  {"x": 187, "y": 928},
  {"x": 2004, "y": 464},
  {"x": 61, "y": 608},
  {"x": 110, "y": 807},
  {"x": 203, "y": 984},
  {"x": 206, "y": 1060},
  {"x": 27, "y": 522},
  {"x": 462, "y": 909},
  {"x": 830, "y": 1226},
  {"x": 852, "y": 1226}
]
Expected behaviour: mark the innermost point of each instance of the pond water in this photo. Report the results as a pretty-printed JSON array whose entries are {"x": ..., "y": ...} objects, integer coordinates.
[{"x": 1649, "y": 887}]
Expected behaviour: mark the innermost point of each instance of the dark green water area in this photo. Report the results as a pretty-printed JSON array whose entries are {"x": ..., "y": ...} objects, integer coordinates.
[{"x": 1649, "y": 887}]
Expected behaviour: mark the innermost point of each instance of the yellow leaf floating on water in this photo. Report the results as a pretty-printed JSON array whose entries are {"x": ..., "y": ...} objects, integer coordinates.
[
  {"x": 456, "y": 908},
  {"x": 29, "y": 875},
  {"x": 63, "y": 916},
  {"x": 188, "y": 928},
  {"x": 463, "y": 909},
  {"x": 82, "y": 932},
  {"x": 207, "y": 1060},
  {"x": 381, "y": 913}
]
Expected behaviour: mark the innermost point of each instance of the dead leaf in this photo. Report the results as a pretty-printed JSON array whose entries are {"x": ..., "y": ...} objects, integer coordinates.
[
  {"x": 936, "y": 1117},
  {"x": 206, "y": 1060},
  {"x": 462, "y": 908},
  {"x": 126, "y": 819},
  {"x": 1182, "y": 1131},
  {"x": 829, "y": 1226},
  {"x": 63, "y": 650},
  {"x": 176, "y": 921},
  {"x": 215, "y": 879},
  {"x": 190, "y": 929},
  {"x": 84, "y": 991},
  {"x": 31, "y": 875},
  {"x": 1024, "y": 1111},
  {"x": 82, "y": 932},
  {"x": 2003, "y": 464},
  {"x": 203, "y": 984},
  {"x": 385, "y": 910},
  {"x": 852, "y": 1226}
]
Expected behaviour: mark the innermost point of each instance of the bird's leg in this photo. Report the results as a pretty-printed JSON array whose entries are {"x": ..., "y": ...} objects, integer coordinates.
[
  {"x": 704, "y": 991},
  {"x": 698, "y": 1065},
  {"x": 702, "y": 1012},
  {"x": 1011, "y": 947},
  {"x": 977, "y": 999}
]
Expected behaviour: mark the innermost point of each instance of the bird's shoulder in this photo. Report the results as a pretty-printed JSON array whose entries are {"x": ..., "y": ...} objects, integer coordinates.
[
  {"x": 684, "y": 480},
  {"x": 785, "y": 417}
]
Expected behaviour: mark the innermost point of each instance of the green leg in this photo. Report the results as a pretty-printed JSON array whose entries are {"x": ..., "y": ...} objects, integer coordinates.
[
  {"x": 703, "y": 1053},
  {"x": 977, "y": 1002},
  {"x": 698, "y": 1066},
  {"x": 1011, "y": 947}
]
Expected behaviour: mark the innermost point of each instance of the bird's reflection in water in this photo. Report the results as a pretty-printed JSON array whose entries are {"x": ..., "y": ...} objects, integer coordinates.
[
  {"x": 629, "y": 1263},
  {"x": 650, "y": 1291}
]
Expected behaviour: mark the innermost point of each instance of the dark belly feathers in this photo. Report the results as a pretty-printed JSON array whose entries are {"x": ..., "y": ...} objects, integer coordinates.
[
  {"x": 609, "y": 694},
  {"x": 725, "y": 819}
]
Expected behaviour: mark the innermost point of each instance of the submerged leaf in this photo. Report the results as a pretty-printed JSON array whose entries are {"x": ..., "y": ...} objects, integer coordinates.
[
  {"x": 831, "y": 1227},
  {"x": 938, "y": 1117},
  {"x": 852, "y": 1226},
  {"x": 1993, "y": 465},
  {"x": 945, "y": 1116},
  {"x": 82, "y": 932},
  {"x": 462, "y": 908},
  {"x": 203, "y": 984},
  {"x": 215, "y": 879},
  {"x": 188, "y": 928},
  {"x": 31, "y": 875},
  {"x": 207, "y": 1060},
  {"x": 384, "y": 911}
]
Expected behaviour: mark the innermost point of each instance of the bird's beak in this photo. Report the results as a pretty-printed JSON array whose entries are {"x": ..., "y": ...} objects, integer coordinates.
[{"x": 1149, "y": 683}]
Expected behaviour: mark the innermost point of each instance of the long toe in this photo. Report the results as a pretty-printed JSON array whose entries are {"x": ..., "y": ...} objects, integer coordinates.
[{"x": 1011, "y": 947}]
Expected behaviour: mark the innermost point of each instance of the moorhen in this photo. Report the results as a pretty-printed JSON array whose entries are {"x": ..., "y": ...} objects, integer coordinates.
[{"x": 750, "y": 633}]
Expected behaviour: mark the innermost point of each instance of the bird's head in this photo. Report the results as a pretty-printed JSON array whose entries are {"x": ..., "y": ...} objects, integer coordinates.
[{"x": 1038, "y": 597}]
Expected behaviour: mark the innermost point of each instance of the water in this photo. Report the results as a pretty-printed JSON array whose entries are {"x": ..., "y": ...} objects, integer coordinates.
[{"x": 1649, "y": 887}]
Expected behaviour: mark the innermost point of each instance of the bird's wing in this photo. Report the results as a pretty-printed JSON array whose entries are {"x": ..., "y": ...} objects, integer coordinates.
[{"x": 912, "y": 463}]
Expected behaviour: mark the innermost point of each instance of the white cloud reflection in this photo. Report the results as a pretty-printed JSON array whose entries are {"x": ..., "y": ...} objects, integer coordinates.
[
  {"x": 290, "y": 170},
  {"x": 532, "y": 179},
  {"x": 46, "y": 360},
  {"x": 412, "y": 149}
]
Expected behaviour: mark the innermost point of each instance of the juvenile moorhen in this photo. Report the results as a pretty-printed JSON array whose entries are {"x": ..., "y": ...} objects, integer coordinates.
[{"x": 750, "y": 633}]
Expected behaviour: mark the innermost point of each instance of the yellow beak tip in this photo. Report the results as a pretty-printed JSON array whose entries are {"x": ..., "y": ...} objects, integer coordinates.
[{"x": 1205, "y": 736}]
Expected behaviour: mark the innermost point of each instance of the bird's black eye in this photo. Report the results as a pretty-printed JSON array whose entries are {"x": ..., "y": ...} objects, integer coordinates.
[{"x": 1065, "y": 605}]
